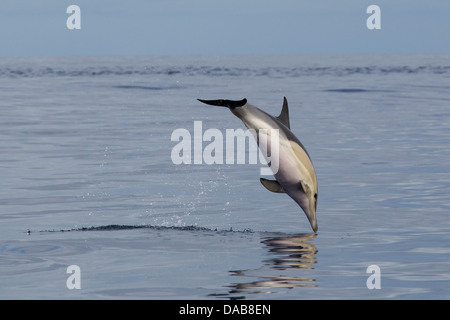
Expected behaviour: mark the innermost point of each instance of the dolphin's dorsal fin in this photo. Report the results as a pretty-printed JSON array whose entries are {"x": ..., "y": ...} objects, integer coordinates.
[
  {"x": 284, "y": 115},
  {"x": 272, "y": 185}
]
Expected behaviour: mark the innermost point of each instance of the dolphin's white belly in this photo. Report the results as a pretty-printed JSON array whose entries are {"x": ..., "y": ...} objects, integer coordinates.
[
  {"x": 290, "y": 164},
  {"x": 289, "y": 172},
  {"x": 285, "y": 165}
]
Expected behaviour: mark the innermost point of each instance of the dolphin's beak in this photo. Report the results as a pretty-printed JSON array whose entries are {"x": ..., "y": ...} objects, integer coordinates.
[
  {"x": 311, "y": 214},
  {"x": 308, "y": 205},
  {"x": 313, "y": 221}
]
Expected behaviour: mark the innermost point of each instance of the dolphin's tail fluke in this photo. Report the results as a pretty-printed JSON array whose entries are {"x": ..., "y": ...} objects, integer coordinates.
[{"x": 225, "y": 103}]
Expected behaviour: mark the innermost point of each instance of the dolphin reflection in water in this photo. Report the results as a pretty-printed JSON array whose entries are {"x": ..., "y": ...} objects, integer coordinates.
[{"x": 291, "y": 253}]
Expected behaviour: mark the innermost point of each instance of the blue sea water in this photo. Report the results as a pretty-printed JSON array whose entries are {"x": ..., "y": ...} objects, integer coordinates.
[{"x": 87, "y": 179}]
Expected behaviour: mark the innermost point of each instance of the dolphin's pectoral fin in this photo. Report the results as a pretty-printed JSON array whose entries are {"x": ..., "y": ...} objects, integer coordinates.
[
  {"x": 284, "y": 115},
  {"x": 272, "y": 185}
]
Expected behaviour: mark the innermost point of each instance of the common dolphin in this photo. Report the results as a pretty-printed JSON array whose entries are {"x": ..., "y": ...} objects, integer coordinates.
[{"x": 295, "y": 173}]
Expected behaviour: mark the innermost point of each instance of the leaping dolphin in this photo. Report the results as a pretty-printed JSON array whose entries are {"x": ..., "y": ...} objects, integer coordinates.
[{"x": 295, "y": 173}]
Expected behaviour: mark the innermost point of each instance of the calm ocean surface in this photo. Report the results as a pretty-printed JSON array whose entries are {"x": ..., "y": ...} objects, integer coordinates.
[{"x": 87, "y": 179}]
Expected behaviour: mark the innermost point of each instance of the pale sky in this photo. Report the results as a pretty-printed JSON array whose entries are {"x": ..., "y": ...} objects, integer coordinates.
[{"x": 177, "y": 27}]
